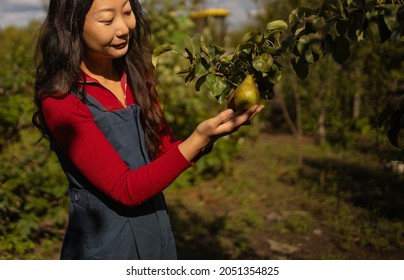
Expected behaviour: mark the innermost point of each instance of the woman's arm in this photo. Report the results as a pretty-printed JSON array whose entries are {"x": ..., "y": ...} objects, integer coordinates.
[{"x": 72, "y": 126}]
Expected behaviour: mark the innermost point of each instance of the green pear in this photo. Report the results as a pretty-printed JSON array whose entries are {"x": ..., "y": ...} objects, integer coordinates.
[{"x": 245, "y": 95}]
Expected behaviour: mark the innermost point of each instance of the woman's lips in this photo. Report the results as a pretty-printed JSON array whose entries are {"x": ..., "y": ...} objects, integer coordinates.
[{"x": 121, "y": 46}]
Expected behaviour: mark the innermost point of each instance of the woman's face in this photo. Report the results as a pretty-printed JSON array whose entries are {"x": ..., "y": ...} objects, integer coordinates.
[{"x": 107, "y": 28}]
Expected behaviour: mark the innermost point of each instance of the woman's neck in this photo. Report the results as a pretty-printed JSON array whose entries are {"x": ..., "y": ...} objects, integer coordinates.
[{"x": 101, "y": 69}]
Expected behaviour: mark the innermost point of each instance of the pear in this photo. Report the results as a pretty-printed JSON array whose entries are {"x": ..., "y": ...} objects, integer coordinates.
[{"x": 245, "y": 95}]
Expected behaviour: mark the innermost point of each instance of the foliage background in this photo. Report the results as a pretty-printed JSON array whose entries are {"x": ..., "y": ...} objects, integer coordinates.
[{"x": 33, "y": 189}]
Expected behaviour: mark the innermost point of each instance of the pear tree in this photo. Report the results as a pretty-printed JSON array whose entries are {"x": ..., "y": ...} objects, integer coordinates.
[{"x": 309, "y": 35}]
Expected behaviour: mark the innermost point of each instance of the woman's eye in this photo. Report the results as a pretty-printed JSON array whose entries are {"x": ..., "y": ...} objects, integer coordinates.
[
  {"x": 128, "y": 13},
  {"x": 107, "y": 22}
]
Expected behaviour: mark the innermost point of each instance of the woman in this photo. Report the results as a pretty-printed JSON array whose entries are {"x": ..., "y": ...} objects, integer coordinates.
[{"x": 96, "y": 102}]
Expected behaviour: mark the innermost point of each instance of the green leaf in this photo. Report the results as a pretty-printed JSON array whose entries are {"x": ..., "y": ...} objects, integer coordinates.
[
  {"x": 216, "y": 84},
  {"x": 357, "y": 19},
  {"x": 190, "y": 55},
  {"x": 158, "y": 51},
  {"x": 185, "y": 71},
  {"x": 205, "y": 50},
  {"x": 321, "y": 25},
  {"x": 219, "y": 50},
  {"x": 247, "y": 47},
  {"x": 193, "y": 44},
  {"x": 214, "y": 51},
  {"x": 301, "y": 68},
  {"x": 316, "y": 46},
  {"x": 201, "y": 67},
  {"x": 191, "y": 76},
  {"x": 303, "y": 46},
  {"x": 200, "y": 82},
  {"x": 250, "y": 36},
  {"x": 276, "y": 74},
  {"x": 393, "y": 135},
  {"x": 288, "y": 45},
  {"x": 390, "y": 17},
  {"x": 263, "y": 63},
  {"x": 372, "y": 32},
  {"x": 297, "y": 15},
  {"x": 300, "y": 30},
  {"x": 342, "y": 26},
  {"x": 265, "y": 87},
  {"x": 384, "y": 31},
  {"x": 277, "y": 25},
  {"x": 341, "y": 52},
  {"x": 335, "y": 6}
]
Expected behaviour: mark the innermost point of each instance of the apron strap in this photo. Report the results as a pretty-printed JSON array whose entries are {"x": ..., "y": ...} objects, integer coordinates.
[{"x": 93, "y": 104}]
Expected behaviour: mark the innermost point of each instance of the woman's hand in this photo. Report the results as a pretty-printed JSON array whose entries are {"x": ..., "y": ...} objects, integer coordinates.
[{"x": 208, "y": 131}]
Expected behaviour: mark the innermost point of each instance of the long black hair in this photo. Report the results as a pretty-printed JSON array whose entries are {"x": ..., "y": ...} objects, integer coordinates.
[{"x": 60, "y": 51}]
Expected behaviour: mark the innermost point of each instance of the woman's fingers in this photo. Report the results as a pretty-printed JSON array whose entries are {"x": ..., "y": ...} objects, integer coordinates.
[
  {"x": 227, "y": 121},
  {"x": 223, "y": 117},
  {"x": 207, "y": 132},
  {"x": 232, "y": 121}
]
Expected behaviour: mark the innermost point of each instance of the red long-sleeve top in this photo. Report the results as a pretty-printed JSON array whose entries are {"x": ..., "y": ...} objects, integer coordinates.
[{"x": 93, "y": 155}]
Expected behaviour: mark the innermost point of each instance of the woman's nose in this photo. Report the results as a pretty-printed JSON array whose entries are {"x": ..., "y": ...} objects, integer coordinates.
[{"x": 122, "y": 29}]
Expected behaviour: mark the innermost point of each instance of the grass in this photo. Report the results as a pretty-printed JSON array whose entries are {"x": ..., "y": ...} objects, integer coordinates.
[{"x": 339, "y": 205}]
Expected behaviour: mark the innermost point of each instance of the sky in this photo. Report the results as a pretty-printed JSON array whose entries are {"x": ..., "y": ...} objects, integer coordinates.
[{"x": 20, "y": 12}]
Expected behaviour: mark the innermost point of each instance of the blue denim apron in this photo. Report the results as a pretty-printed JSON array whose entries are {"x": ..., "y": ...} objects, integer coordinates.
[{"x": 100, "y": 228}]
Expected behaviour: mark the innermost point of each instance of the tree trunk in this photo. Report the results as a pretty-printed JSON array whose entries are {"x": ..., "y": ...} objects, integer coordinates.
[
  {"x": 321, "y": 126},
  {"x": 357, "y": 102},
  {"x": 296, "y": 95},
  {"x": 357, "y": 105},
  {"x": 292, "y": 127},
  {"x": 289, "y": 122},
  {"x": 299, "y": 125},
  {"x": 324, "y": 94}
]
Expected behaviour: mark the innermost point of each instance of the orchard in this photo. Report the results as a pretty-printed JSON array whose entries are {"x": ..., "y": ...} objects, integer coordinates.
[
  {"x": 311, "y": 34},
  {"x": 331, "y": 74}
]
